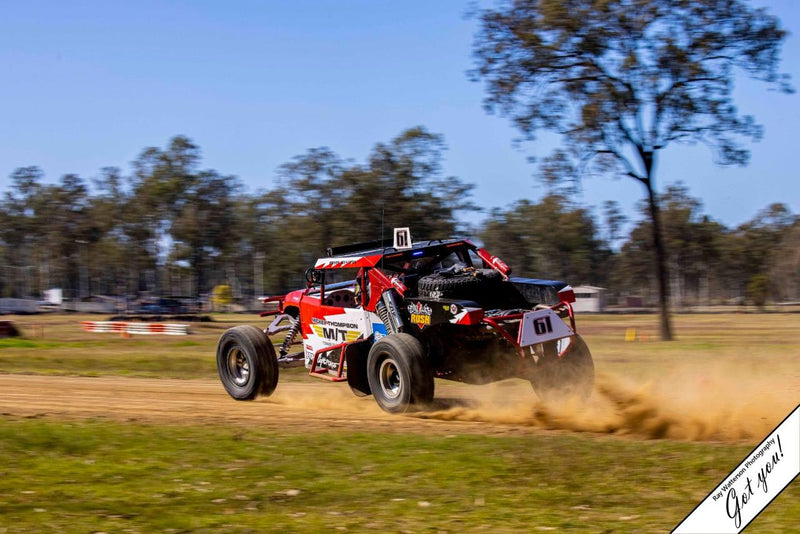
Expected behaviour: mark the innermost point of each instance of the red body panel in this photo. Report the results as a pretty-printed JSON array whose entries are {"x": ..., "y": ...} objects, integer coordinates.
[{"x": 351, "y": 261}]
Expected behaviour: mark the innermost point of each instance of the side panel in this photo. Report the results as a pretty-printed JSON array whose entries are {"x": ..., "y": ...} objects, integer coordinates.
[
  {"x": 325, "y": 326},
  {"x": 542, "y": 326}
]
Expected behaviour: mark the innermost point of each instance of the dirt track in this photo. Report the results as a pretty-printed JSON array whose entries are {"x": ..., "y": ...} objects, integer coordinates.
[
  {"x": 707, "y": 411},
  {"x": 312, "y": 405}
]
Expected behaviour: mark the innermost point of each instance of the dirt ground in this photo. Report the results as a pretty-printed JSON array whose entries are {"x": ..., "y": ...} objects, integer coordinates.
[
  {"x": 707, "y": 412},
  {"x": 310, "y": 406}
]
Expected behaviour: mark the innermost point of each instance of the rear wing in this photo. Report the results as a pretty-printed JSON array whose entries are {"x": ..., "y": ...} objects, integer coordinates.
[{"x": 360, "y": 247}]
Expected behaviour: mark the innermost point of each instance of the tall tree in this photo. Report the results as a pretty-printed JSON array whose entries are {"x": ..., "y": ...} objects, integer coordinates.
[
  {"x": 694, "y": 245},
  {"x": 621, "y": 80},
  {"x": 784, "y": 270},
  {"x": 570, "y": 249},
  {"x": 203, "y": 222},
  {"x": 159, "y": 184},
  {"x": 401, "y": 184},
  {"x": 20, "y": 228},
  {"x": 753, "y": 247}
]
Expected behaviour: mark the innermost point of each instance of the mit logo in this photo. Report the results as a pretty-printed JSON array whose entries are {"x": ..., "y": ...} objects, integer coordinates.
[{"x": 402, "y": 238}]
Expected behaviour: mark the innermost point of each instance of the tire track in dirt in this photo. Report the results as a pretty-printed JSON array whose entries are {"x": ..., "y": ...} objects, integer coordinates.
[
  {"x": 723, "y": 408},
  {"x": 295, "y": 406}
]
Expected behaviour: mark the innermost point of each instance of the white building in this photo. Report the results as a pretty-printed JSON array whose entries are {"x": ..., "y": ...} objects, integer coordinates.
[{"x": 589, "y": 299}]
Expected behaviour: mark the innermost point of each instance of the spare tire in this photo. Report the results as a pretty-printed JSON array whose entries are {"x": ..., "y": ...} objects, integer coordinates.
[{"x": 475, "y": 284}]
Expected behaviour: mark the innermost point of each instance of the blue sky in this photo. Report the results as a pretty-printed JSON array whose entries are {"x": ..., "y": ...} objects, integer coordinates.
[{"x": 88, "y": 84}]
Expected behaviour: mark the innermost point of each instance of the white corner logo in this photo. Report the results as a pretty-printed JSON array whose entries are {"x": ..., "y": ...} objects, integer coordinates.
[{"x": 752, "y": 485}]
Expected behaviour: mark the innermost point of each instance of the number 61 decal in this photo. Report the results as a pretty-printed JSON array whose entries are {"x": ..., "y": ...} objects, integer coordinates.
[{"x": 541, "y": 326}]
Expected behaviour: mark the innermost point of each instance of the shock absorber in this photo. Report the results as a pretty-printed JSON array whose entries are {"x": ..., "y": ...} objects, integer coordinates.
[
  {"x": 383, "y": 313},
  {"x": 386, "y": 309},
  {"x": 290, "y": 335}
]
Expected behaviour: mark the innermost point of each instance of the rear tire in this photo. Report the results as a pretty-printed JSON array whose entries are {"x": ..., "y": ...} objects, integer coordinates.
[
  {"x": 246, "y": 363},
  {"x": 570, "y": 375},
  {"x": 399, "y": 373}
]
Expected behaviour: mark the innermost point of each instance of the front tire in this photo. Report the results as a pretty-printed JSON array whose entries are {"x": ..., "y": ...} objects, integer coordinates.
[
  {"x": 399, "y": 373},
  {"x": 246, "y": 363},
  {"x": 569, "y": 375}
]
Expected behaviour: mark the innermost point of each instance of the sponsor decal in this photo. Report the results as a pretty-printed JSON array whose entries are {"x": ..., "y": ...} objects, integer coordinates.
[
  {"x": 337, "y": 262},
  {"x": 752, "y": 485},
  {"x": 326, "y": 362},
  {"x": 378, "y": 330},
  {"x": 332, "y": 333},
  {"x": 420, "y": 314},
  {"x": 337, "y": 324}
]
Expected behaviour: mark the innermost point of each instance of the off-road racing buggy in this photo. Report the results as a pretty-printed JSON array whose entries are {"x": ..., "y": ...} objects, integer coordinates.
[{"x": 389, "y": 318}]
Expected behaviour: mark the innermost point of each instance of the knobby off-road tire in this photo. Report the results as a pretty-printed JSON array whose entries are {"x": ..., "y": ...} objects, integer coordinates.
[
  {"x": 246, "y": 363},
  {"x": 472, "y": 285},
  {"x": 571, "y": 375},
  {"x": 399, "y": 373}
]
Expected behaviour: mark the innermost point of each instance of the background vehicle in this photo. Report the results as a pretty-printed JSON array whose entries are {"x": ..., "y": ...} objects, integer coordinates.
[{"x": 388, "y": 319}]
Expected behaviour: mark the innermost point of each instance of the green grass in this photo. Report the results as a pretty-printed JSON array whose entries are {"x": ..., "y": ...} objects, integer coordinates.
[
  {"x": 55, "y": 344},
  {"x": 713, "y": 341},
  {"x": 98, "y": 476},
  {"x": 22, "y": 343}
]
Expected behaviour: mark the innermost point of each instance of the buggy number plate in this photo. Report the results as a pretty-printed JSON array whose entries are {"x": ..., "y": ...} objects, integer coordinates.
[{"x": 540, "y": 326}]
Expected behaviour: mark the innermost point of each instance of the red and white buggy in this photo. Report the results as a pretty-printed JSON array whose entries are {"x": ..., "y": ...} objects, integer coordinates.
[{"x": 388, "y": 318}]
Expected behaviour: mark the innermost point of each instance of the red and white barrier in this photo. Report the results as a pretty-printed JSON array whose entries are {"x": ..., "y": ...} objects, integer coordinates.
[{"x": 117, "y": 327}]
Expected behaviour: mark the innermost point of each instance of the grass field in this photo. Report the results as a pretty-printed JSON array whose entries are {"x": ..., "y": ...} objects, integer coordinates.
[
  {"x": 55, "y": 344},
  {"x": 95, "y": 475},
  {"x": 103, "y": 477}
]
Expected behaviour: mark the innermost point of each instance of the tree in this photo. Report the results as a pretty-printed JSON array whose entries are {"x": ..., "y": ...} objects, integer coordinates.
[
  {"x": 333, "y": 202},
  {"x": 621, "y": 80},
  {"x": 694, "y": 246},
  {"x": 614, "y": 220},
  {"x": 785, "y": 266},
  {"x": 568, "y": 250},
  {"x": 758, "y": 290},
  {"x": 402, "y": 185},
  {"x": 20, "y": 228},
  {"x": 203, "y": 222},
  {"x": 753, "y": 247}
]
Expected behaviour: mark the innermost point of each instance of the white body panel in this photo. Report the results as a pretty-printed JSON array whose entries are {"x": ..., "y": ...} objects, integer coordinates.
[
  {"x": 343, "y": 326},
  {"x": 541, "y": 326}
]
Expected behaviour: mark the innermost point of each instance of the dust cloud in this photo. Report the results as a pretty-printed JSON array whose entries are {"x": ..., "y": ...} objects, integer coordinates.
[{"x": 738, "y": 403}]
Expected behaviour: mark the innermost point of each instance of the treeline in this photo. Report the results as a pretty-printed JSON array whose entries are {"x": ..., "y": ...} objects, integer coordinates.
[
  {"x": 709, "y": 262},
  {"x": 171, "y": 228}
]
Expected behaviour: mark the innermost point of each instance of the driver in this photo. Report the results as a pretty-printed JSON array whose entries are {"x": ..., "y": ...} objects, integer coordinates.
[{"x": 358, "y": 289}]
